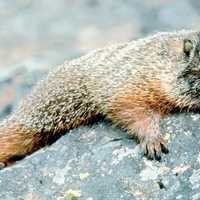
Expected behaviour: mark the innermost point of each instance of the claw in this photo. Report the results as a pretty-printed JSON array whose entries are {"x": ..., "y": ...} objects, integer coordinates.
[{"x": 154, "y": 148}]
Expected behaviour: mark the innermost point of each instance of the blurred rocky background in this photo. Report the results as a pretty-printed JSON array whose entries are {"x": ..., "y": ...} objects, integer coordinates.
[{"x": 36, "y": 35}]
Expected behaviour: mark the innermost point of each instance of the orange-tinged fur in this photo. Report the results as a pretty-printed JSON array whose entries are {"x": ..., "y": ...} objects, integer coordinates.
[{"x": 140, "y": 112}]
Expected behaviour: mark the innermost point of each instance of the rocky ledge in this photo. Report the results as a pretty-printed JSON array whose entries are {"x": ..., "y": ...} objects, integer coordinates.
[{"x": 101, "y": 162}]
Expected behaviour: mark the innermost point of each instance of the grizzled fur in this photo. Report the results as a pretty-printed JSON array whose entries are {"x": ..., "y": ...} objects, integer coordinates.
[{"x": 133, "y": 84}]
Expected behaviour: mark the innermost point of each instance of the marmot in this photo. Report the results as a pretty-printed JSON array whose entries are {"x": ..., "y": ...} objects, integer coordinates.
[{"x": 133, "y": 84}]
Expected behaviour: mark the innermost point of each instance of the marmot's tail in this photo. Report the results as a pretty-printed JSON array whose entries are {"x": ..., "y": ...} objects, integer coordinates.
[{"x": 17, "y": 141}]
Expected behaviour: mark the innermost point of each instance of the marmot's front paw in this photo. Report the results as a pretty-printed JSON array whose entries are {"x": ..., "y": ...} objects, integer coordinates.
[{"x": 153, "y": 147}]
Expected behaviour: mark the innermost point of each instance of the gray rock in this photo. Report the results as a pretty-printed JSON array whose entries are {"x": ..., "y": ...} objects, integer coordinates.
[{"x": 100, "y": 161}]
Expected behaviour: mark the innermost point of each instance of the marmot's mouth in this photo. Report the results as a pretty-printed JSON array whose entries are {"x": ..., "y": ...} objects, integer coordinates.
[
  {"x": 194, "y": 86},
  {"x": 192, "y": 76},
  {"x": 190, "y": 73}
]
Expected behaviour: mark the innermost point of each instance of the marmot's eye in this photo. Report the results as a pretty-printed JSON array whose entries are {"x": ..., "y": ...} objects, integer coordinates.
[{"x": 188, "y": 46}]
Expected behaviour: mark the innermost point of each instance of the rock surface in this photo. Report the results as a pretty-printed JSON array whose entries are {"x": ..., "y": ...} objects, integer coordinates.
[
  {"x": 101, "y": 162},
  {"x": 97, "y": 162}
]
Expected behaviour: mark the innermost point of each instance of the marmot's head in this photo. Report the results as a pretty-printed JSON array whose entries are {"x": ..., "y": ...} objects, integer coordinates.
[
  {"x": 179, "y": 55},
  {"x": 190, "y": 72}
]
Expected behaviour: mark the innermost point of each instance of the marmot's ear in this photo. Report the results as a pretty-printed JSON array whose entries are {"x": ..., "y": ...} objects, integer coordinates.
[{"x": 187, "y": 47}]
